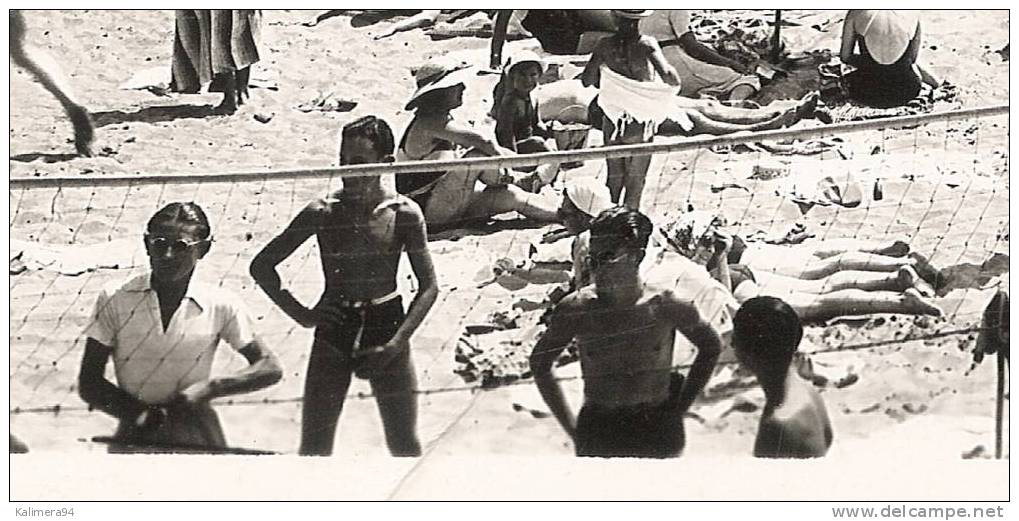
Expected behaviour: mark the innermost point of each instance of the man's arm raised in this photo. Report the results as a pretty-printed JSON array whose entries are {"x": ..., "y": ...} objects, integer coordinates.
[
  {"x": 665, "y": 70},
  {"x": 562, "y": 328}
]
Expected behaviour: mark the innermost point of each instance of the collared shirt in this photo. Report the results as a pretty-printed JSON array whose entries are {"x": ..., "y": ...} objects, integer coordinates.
[{"x": 152, "y": 363}]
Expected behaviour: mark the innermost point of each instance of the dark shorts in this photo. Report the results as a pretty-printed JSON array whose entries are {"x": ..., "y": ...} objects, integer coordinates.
[
  {"x": 646, "y": 431},
  {"x": 360, "y": 327},
  {"x": 185, "y": 429}
]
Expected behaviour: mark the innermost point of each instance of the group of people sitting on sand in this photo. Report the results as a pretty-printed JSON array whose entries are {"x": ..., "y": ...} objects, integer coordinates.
[{"x": 635, "y": 285}]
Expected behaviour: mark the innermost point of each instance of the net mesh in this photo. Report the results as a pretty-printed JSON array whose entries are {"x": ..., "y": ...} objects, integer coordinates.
[{"x": 940, "y": 187}]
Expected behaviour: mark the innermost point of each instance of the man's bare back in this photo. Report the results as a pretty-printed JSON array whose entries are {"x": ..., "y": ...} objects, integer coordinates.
[{"x": 798, "y": 428}]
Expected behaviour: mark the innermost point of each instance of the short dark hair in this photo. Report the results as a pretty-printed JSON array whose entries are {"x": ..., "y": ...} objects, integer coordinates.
[
  {"x": 186, "y": 213},
  {"x": 768, "y": 329},
  {"x": 629, "y": 227},
  {"x": 373, "y": 129}
]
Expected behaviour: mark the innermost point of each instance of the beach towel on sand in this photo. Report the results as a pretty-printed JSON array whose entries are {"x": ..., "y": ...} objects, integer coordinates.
[
  {"x": 626, "y": 101},
  {"x": 208, "y": 42}
]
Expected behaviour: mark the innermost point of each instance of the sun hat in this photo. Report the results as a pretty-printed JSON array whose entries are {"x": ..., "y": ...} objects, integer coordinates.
[
  {"x": 633, "y": 14},
  {"x": 523, "y": 56},
  {"x": 436, "y": 75},
  {"x": 589, "y": 195}
]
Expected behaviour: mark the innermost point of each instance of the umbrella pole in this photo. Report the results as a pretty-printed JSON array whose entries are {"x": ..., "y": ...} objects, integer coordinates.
[
  {"x": 776, "y": 38},
  {"x": 999, "y": 407}
]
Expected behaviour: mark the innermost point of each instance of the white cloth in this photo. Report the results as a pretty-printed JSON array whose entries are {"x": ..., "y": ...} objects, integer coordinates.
[
  {"x": 153, "y": 364},
  {"x": 625, "y": 101},
  {"x": 886, "y": 32},
  {"x": 588, "y": 194}
]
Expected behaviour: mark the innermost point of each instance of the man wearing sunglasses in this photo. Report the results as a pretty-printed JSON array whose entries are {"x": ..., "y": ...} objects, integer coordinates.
[
  {"x": 625, "y": 325},
  {"x": 162, "y": 330}
]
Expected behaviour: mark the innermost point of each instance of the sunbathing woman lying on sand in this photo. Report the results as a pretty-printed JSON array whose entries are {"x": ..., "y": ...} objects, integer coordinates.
[
  {"x": 847, "y": 292},
  {"x": 447, "y": 198}
]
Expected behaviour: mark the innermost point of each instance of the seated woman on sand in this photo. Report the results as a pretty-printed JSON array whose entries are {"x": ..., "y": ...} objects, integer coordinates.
[
  {"x": 447, "y": 198},
  {"x": 887, "y": 74}
]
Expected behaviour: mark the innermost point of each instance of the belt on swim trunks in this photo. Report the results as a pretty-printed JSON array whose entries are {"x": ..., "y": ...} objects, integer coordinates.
[
  {"x": 668, "y": 43},
  {"x": 361, "y": 304}
]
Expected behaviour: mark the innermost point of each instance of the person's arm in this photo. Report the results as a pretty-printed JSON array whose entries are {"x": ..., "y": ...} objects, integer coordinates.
[
  {"x": 100, "y": 393},
  {"x": 848, "y": 39},
  {"x": 657, "y": 57},
  {"x": 263, "y": 370},
  {"x": 698, "y": 51},
  {"x": 703, "y": 337},
  {"x": 411, "y": 224},
  {"x": 470, "y": 138},
  {"x": 562, "y": 327},
  {"x": 591, "y": 77},
  {"x": 263, "y": 266}
]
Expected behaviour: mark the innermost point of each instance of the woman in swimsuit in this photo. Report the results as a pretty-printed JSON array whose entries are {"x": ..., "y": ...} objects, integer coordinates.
[{"x": 451, "y": 197}]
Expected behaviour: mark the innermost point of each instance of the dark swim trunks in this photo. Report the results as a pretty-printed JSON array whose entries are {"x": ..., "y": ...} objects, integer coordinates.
[
  {"x": 645, "y": 431},
  {"x": 361, "y": 326}
]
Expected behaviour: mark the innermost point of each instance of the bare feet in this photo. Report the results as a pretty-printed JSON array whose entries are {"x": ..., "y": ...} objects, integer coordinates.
[
  {"x": 808, "y": 105},
  {"x": 896, "y": 249},
  {"x": 906, "y": 277},
  {"x": 915, "y": 302}
]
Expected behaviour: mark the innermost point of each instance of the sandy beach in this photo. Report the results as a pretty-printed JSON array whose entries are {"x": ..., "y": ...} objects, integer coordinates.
[{"x": 945, "y": 192}]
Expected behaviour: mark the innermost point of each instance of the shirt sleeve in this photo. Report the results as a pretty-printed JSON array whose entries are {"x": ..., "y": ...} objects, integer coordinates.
[
  {"x": 102, "y": 326},
  {"x": 236, "y": 326}
]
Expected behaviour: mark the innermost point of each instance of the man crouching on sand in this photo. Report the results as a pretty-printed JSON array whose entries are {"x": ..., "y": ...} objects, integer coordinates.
[
  {"x": 359, "y": 322},
  {"x": 625, "y": 328}
]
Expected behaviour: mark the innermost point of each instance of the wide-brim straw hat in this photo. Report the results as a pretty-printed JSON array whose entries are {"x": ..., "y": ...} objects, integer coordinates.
[
  {"x": 436, "y": 75},
  {"x": 633, "y": 14},
  {"x": 520, "y": 57}
]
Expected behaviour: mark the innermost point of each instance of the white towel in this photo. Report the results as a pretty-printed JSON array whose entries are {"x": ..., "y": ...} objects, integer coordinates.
[{"x": 627, "y": 101}]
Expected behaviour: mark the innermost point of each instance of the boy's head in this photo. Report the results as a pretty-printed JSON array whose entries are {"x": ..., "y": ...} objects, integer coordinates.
[
  {"x": 365, "y": 141},
  {"x": 628, "y": 20},
  {"x": 619, "y": 237},
  {"x": 583, "y": 199},
  {"x": 766, "y": 334}
]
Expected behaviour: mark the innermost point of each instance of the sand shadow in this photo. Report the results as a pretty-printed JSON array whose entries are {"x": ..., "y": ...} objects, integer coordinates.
[
  {"x": 46, "y": 158},
  {"x": 366, "y": 18},
  {"x": 155, "y": 114}
]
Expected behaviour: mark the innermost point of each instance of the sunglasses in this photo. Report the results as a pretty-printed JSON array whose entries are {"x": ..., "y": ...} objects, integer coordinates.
[{"x": 160, "y": 245}]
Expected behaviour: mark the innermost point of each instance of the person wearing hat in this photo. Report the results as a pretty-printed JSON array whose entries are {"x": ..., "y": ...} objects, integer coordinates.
[
  {"x": 517, "y": 126},
  {"x": 626, "y": 68},
  {"x": 449, "y": 198}
]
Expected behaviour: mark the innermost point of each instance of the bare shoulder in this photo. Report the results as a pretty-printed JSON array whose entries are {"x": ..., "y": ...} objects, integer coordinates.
[
  {"x": 649, "y": 43},
  {"x": 577, "y": 302},
  {"x": 407, "y": 211}
]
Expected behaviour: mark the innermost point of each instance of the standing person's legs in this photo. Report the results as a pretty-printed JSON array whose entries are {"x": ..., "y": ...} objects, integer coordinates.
[
  {"x": 636, "y": 177},
  {"x": 617, "y": 166},
  {"x": 394, "y": 382},
  {"x": 502, "y": 19},
  {"x": 325, "y": 389}
]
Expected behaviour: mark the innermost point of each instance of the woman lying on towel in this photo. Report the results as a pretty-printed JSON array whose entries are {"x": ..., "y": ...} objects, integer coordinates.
[
  {"x": 448, "y": 198},
  {"x": 846, "y": 292}
]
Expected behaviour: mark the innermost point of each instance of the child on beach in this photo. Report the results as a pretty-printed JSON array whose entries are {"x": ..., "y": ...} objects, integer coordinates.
[
  {"x": 360, "y": 324},
  {"x": 794, "y": 424},
  {"x": 626, "y": 67},
  {"x": 516, "y": 116},
  {"x": 625, "y": 326}
]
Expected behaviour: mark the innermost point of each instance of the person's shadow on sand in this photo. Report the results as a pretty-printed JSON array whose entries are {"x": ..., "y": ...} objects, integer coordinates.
[
  {"x": 154, "y": 114},
  {"x": 46, "y": 158}
]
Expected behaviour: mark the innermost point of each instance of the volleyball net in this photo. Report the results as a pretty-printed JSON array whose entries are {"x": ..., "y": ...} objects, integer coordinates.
[{"x": 938, "y": 183}]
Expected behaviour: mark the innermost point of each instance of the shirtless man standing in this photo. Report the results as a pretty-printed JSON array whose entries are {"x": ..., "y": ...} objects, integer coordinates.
[
  {"x": 635, "y": 58},
  {"x": 360, "y": 325},
  {"x": 625, "y": 328},
  {"x": 794, "y": 423}
]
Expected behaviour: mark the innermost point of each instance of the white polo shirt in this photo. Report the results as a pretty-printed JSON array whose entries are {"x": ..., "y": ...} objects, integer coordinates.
[{"x": 152, "y": 363}]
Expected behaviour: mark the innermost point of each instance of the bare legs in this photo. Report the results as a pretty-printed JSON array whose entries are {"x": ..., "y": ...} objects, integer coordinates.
[
  {"x": 46, "y": 71},
  {"x": 235, "y": 90},
  {"x": 628, "y": 173}
]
